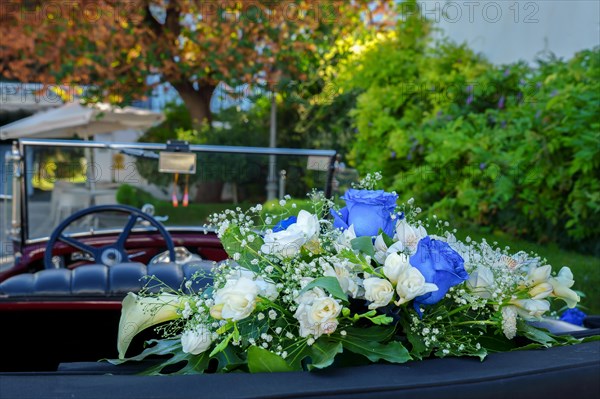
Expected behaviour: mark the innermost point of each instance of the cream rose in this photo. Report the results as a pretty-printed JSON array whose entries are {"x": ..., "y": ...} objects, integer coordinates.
[
  {"x": 395, "y": 265},
  {"x": 197, "y": 340},
  {"x": 266, "y": 288},
  {"x": 317, "y": 313},
  {"x": 378, "y": 291},
  {"x": 236, "y": 300},
  {"x": 412, "y": 284},
  {"x": 348, "y": 280},
  {"x": 343, "y": 241},
  {"x": 382, "y": 251},
  {"x": 324, "y": 312}
]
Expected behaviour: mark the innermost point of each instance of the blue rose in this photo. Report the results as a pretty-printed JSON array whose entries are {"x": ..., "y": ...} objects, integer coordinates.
[
  {"x": 368, "y": 211},
  {"x": 573, "y": 316},
  {"x": 284, "y": 224},
  {"x": 440, "y": 265}
]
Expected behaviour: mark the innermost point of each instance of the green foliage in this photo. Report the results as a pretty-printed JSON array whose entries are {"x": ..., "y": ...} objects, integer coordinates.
[
  {"x": 512, "y": 146},
  {"x": 263, "y": 361},
  {"x": 329, "y": 284}
]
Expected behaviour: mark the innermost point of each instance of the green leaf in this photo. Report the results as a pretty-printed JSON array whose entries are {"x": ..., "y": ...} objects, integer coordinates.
[
  {"x": 373, "y": 333},
  {"x": 389, "y": 241},
  {"x": 393, "y": 352},
  {"x": 262, "y": 361},
  {"x": 419, "y": 349},
  {"x": 232, "y": 240},
  {"x": 364, "y": 244},
  {"x": 381, "y": 320},
  {"x": 228, "y": 359},
  {"x": 535, "y": 334},
  {"x": 330, "y": 284},
  {"x": 593, "y": 338},
  {"x": 194, "y": 364},
  {"x": 161, "y": 347},
  {"x": 497, "y": 343},
  {"x": 322, "y": 353}
]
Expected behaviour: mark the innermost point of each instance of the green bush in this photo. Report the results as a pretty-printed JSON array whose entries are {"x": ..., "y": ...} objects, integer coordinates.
[{"x": 512, "y": 146}]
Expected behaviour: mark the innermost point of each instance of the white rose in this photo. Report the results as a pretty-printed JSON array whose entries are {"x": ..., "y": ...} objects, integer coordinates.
[
  {"x": 481, "y": 282},
  {"x": 344, "y": 239},
  {"x": 531, "y": 309},
  {"x": 561, "y": 285},
  {"x": 317, "y": 313},
  {"x": 395, "y": 264},
  {"x": 412, "y": 284},
  {"x": 288, "y": 242},
  {"x": 324, "y": 312},
  {"x": 196, "y": 341},
  {"x": 307, "y": 223},
  {"x": 306, "y": 328},
  {"x": 236, "y": 300},
  {"x": 348, "y": 281},
  {"x": 265, "y": 288},
  {"x": 378, "y": 291},
  {"x": 382, "y": 251}
]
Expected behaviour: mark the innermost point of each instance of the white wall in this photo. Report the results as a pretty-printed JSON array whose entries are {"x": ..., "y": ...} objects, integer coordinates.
[{"x": 511, "y": 30}]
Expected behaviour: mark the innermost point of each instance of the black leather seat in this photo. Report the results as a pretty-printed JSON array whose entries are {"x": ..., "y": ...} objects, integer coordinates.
[{"x": 101, "y": 280}]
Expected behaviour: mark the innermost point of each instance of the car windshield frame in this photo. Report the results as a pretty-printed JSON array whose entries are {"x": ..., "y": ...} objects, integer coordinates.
[{"x": 23, "y": 234}]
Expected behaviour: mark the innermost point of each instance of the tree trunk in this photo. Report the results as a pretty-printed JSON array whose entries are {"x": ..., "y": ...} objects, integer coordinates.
[{"x": 196, "y": 101}]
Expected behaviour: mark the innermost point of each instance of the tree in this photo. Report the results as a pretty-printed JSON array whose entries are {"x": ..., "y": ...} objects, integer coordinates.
[{"x": 112, "y": 47}]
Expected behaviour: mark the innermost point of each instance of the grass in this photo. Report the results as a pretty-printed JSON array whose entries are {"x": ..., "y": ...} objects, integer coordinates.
[
  {"x": 586, "y": 268},
  {"x": 193, "y": 213}
]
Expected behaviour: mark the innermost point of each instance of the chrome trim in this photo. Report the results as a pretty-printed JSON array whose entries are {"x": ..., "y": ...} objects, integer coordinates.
[
  {"x": 174, "y": 229},
  {"x": 193, "y": 147}
]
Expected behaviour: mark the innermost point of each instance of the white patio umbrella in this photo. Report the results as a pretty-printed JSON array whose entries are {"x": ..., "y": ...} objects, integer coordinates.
[{"x": 85, "y": 121}]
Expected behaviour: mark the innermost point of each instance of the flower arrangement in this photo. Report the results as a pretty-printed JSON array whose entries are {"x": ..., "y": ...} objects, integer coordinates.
[{"x": 365, "y": 283}]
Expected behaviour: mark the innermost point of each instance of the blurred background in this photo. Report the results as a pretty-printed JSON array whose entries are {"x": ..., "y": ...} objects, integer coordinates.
[{"x": 485, "y": 112}]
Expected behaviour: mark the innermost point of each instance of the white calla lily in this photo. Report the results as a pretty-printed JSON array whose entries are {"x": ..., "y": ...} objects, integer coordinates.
[{"x": 139, "y": 313}]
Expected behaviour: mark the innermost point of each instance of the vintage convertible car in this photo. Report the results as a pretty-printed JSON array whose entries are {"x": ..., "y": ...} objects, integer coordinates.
[{"x": 91, "y": 221}]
